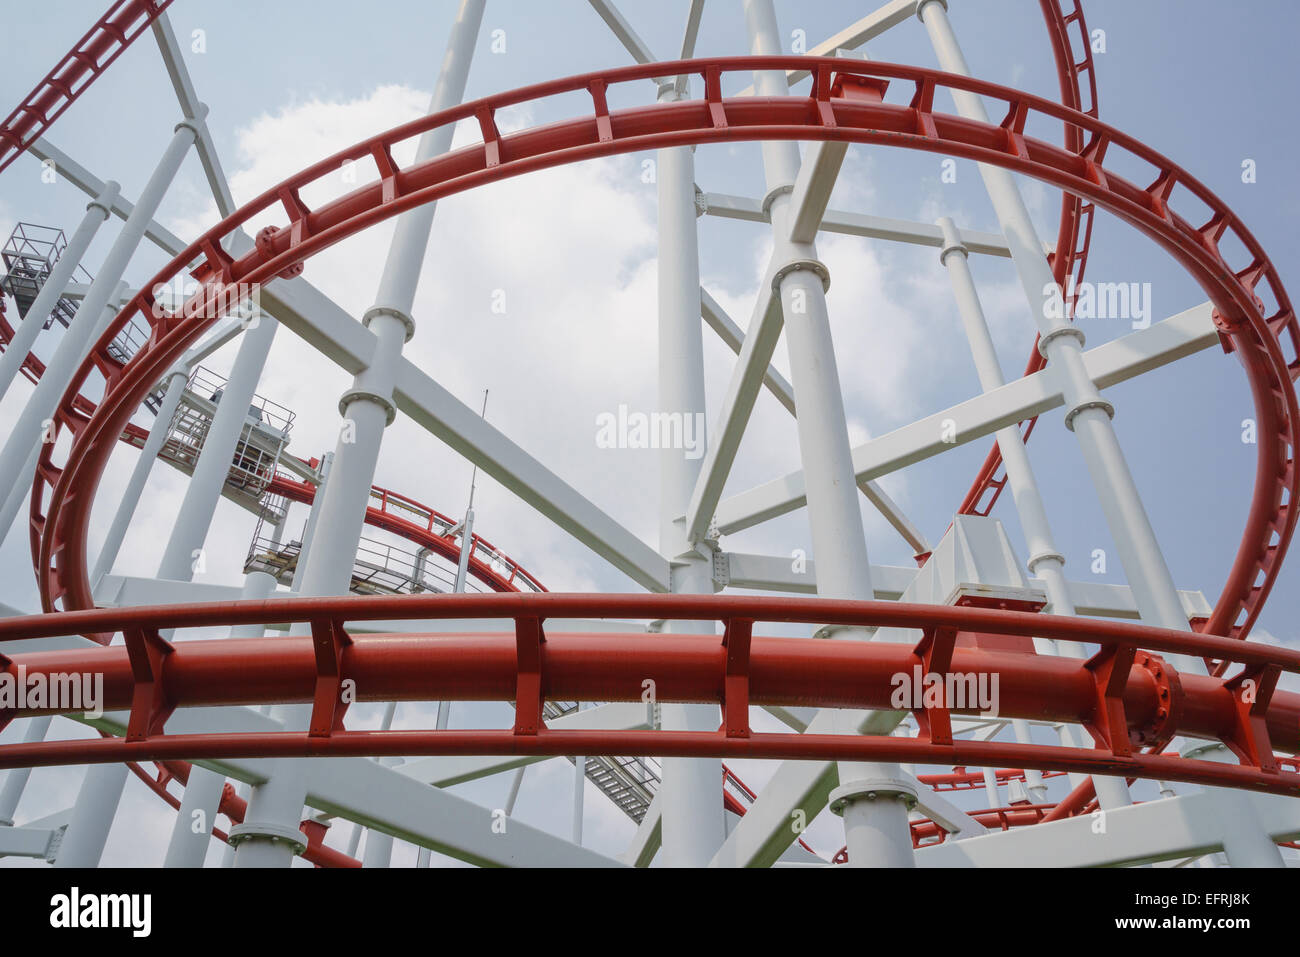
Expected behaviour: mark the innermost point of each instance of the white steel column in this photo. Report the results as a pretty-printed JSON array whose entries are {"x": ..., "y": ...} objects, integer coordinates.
[
  {"x": 192, "y": 832},
  {"x": 92, "y": 816},
  {"x": 194, "y": 517},
  {"x": 97, "y": 211},
  {"x": 1088, "y": 415},
  {"x": 16, "y": 780},
  {"x": 192, "y": 829},
  {"x": 368, "y": 409},
  {"x": 173, "y": 388},
  {"x": 694, "y": 822},
  {"x": 17, "y": 495},
  {"x": 871, "y": 797},
  {"x": 87, "y": 326},
  {"x": 1045, "y": 560}
]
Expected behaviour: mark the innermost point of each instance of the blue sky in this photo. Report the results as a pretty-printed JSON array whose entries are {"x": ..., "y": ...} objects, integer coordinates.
[{"x": 575, "y": 249}]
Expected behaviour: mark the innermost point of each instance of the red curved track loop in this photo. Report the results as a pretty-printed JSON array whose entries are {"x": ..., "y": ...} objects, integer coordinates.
[
  {"x": 1258, "y": 334},
  {"x": 102, "y": 44},
  {"x": 428, "y": 528},
  {"x": 1075, "y": 233},
  {"x": 1117, "y": 695}
]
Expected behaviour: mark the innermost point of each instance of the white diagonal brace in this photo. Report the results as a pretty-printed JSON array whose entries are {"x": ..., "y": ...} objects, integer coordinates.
[
  {"x": 1114, "y": 362},
  {"x": 731, "y": 334},
  {"x": 76, "y": 174},
  {"x": 734, "y": 337},
  {"x": 812, "y": 188},
  {"x": 361, "y": 790},
  {"x": 689, "y": 36},
  {"x": 317, "y": 319},
  {"x": 747, "y": 377},
  {"x": 648, "y": 837},
  {"x": 623, "y": 30},
  {"x": 174, "y": 60},
  {"x": 751, "y": 210},
  {"x": 797, "y": 793},
  {"x": 1170, "y": 828},
  {"x": 309, "y": 313},
  {"x": 851, "y": 37}
]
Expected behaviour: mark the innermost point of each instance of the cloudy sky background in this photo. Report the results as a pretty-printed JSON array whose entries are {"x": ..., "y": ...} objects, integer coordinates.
[{"x": 574, "y": 249}]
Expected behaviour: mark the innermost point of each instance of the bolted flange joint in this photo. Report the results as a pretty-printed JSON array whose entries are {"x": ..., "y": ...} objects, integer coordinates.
[
  {"x": 772, "y": 194},
  {"x": 871, "y": 789},
  {"x": 1073, "y": 332},
  {"x": 921, "y": 6},
  {"x": 1090, "y": 404},
  {"x": 1032, "y": 563},
  {"x": 353, "y": 395},
  {"x": 369, "y": 315},
  {"x": 275, "y": 833},
  {"x": 797, "y": 265}
]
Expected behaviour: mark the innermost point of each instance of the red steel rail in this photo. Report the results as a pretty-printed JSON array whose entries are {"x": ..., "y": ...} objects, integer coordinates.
[
  {"x": 1263, "y": 334},
  {"x": 80, "y": 66},
  {"x": 1126, "y": 695}
]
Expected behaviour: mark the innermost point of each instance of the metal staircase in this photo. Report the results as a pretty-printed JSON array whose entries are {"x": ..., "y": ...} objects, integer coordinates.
[{"x": 30, "y": 255}]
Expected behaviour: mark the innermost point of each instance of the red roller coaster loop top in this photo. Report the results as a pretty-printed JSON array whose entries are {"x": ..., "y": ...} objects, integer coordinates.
[{"x": 1259, "y": 335}]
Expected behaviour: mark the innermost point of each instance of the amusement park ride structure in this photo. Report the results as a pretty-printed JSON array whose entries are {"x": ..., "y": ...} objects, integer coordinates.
[{"x": 1098, "y": 685}]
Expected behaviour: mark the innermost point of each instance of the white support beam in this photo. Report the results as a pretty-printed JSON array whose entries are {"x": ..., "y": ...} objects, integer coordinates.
[
  {"x": 777, "y": 573},
  {"x": 623, "y": 30},
  {"x": 734, "y": 338},
  {"x": 750, "y": 210},
  {"x": 812, "y": 189},
  {"x": 731, "y": 334},
  {"x": 314, "y": 317},
  {"x": 443, "y": 772},
  {"x": 125, "y": 591},
  {"x": 868, "y": 28},
  {"x": 648, "y": 837},
  {"x": 1114, "y": 362},
  {"x": 28, "y": 841},
  {"x": 1185, "y": 826},
  {"x": 174, "y": 60},
  {"x": 692, "y": 31},
  {"x": 364, "y": 791},
  {"x": 747, "y": 378},
  {"x": 796, "y": 794},
  {"x": 76, "y": 174}
]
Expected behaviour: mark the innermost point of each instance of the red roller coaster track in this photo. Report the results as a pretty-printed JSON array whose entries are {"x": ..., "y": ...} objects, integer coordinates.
[
  {"x": 1126, "y": 695},
  {"x": 61, "y": 497},
  {"x": 1247, "y": 326},
  {"x": 80, "y": 66}
]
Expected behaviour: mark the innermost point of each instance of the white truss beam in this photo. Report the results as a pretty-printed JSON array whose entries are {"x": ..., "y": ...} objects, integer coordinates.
[
  {"x": 731, "y": 334},
  {"x": 1185, "y": 826},
  {"x": 377, "y": 797},
  {"x": 747, "y": 378},
  {"x": 868, "y": 28},
  {"x": 1117, "y": 361},
  {"x": 174, "y": 60},
  {"x": 750, "y": 210}
]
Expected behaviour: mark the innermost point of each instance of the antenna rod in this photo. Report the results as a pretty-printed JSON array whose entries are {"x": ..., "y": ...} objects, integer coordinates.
[{"x": 474, "y": 475}]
